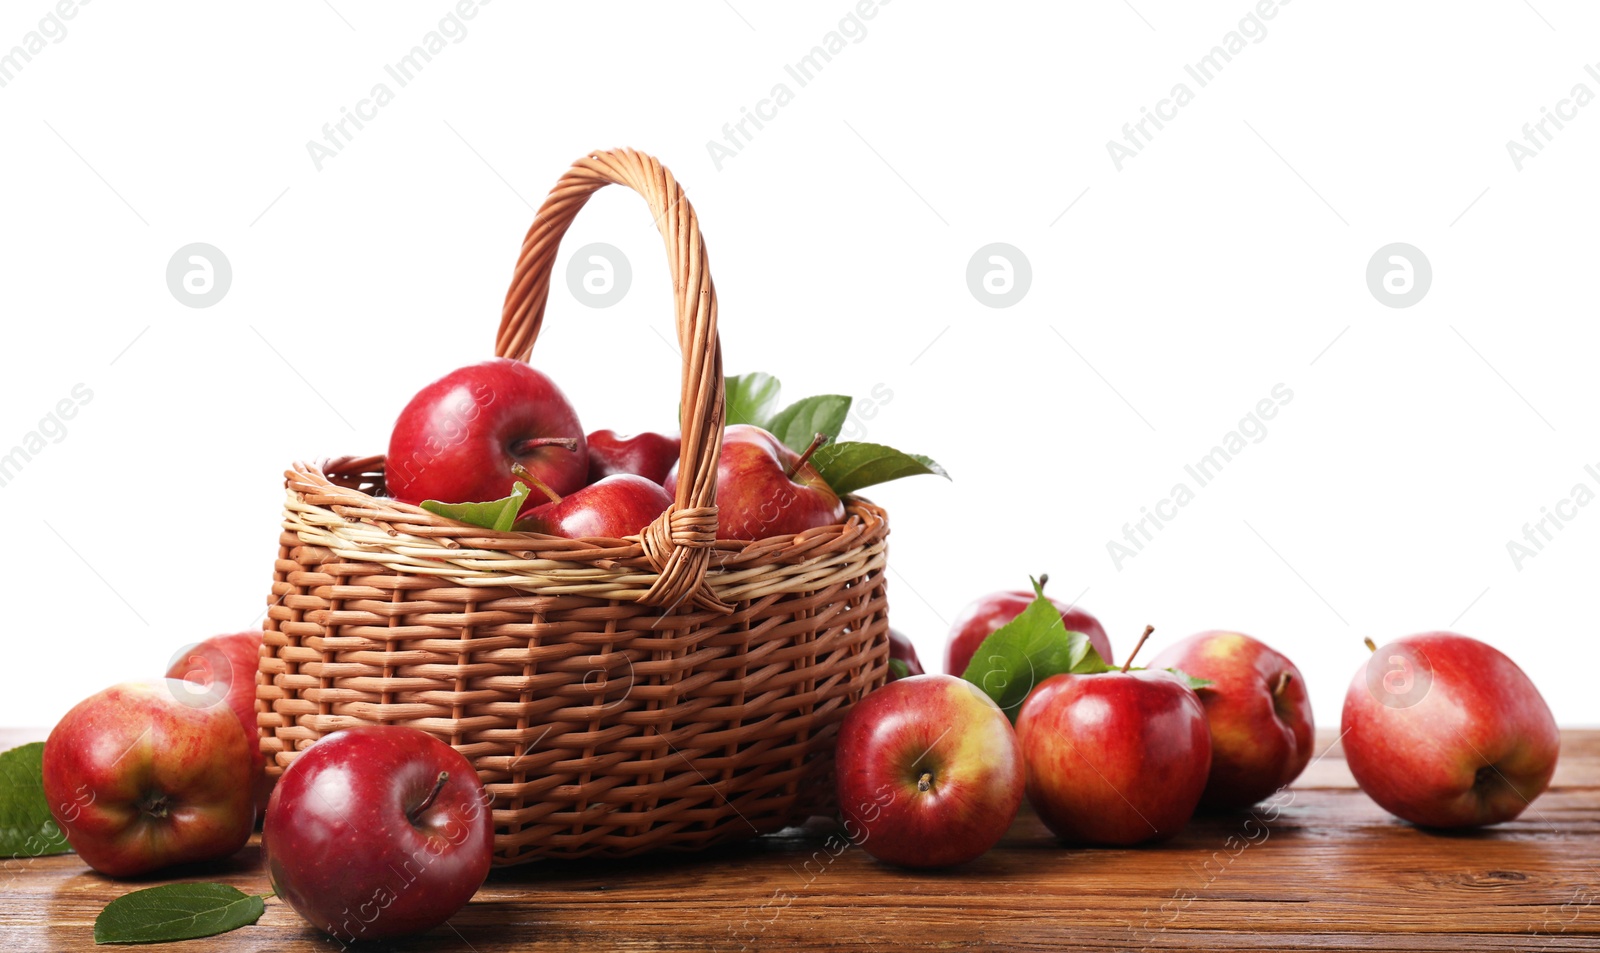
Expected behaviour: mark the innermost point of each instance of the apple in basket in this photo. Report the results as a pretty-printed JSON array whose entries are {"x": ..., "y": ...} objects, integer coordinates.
[
  {"x": 378, "y": 831},
  {"x": 650, "y": 455},
  {"x": 145, "y": 775},
  {"x": 614, "y": 507},
  {"x": 765, "y": 489},
  {"x": 458, "y": 438}
]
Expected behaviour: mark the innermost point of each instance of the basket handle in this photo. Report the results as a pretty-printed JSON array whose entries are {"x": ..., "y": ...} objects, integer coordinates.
[{"x": 678, "y": 544}]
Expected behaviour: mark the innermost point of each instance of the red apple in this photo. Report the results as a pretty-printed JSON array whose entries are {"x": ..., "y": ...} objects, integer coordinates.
[
  {"x": 458, "y": 438},
  {"x": 765, "y": 489},
  {"x": 145, "y": 775},
  {"x": 378, "y": 831},
  {"x": 1116, "y": 758},
  {"x": 1258, "y": 711},
  {"x": 228, "y": 663},
  {"x": 983, "y": 616},
  {"x": 617, "y": 506},
  {"x": 901, "y": 650},
  {"x": 929, "y": 772},
  {"x": 1445, "y": 731},
  {"x": 650, "y": 455}
]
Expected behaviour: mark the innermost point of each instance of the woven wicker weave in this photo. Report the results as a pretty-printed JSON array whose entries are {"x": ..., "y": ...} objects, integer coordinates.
[{"x": 616, "y": 696}]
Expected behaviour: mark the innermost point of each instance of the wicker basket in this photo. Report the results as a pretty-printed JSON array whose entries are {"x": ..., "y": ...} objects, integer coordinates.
[{"x": 616, "y": 696}]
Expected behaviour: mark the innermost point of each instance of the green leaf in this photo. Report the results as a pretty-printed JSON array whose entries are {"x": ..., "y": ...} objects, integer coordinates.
[
  {"x": 499, "y": 515},
  {"x": 1026, "y": 651},
  {"x": 750, "y": 398},
  {"x": 176, "y": 912},
  {"x": 898, "y": 669},
  {"x": 26, "y": 827},
  {"x": 1190, "y": 680},
  {"x": 799, "y": 423},
  {"x": 852, "y": 466}
]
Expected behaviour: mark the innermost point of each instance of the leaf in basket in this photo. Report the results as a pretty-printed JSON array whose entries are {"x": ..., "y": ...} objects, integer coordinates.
[
  {"x": 800, "y": 422},
  {"x": 499, "y": 515},
  {"x": 750, "y": 398},
  {"x": 1026, "y": 651},
  {"x": 26, "y": 827},
  {"x": 176, "y": 912},
  {"x": 851, "y": 466}
]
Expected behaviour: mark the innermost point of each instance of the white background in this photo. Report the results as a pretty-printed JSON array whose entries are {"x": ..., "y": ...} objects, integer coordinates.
[{"x": 1228, "y": 257}]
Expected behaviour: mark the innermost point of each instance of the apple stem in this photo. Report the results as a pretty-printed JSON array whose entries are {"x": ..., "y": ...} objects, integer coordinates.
[
  {"x": 816, "y": 442},
  {"x": 1044, "y": 578},
  {"x": 1283, "y": 682},
  {"x": 525, "y": 475},
  {"x": 925, "y": 783},
  {"x": 427, "y": 802},
  {"x": 1371, "y": 645},
  {"x": 1147, "y": 630},
  {"x": 524, "y": 447}
]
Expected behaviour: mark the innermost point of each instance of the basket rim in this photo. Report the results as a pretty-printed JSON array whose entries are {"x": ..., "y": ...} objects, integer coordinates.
[{"x": 362, "y": 528}]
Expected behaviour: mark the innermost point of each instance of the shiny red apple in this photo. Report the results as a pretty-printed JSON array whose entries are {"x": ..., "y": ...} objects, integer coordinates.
[
  {"x": 929, "y": 772},
  {"x": 228, "y": 664},
  {"x": 145, "y": 775},
  {"x": 1115, "y": 758},
  {"x": 1445, "y": 731},
  {"x": 650, "y": 455},
  {"x": 765, "y": 489},
  {"x": 458, "y": 438},
  {"x": 901, "y": 650},
  {"x": 1258, "y": 711},
  {"x": 616, "y": 507},
  {"x": 983, "y": 616},
  {"x": 378, "y": 831}
]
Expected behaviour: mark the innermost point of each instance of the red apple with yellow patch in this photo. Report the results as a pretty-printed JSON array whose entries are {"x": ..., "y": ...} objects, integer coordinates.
[{"x": 1258, "y": 711}]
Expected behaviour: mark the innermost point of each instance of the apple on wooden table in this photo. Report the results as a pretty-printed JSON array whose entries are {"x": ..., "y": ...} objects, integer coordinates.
[
  {"x": 378, "y": 831},
  {"x": 929, "y": 772},
  {"x": 146, "y": 775},
  {"x": 1258, "y": 712},
  {"x": 1445, "y": 731}
]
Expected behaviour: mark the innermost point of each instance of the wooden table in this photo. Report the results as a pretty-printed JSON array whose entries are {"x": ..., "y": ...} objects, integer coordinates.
[{"x": 1320, "y": 868}]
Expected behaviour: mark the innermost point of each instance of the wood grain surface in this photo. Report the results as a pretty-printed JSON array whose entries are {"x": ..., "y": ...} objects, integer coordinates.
[{"x": 1319, "y": 867}]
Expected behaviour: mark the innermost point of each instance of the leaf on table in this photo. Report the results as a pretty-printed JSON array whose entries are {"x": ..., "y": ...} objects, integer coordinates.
[
  {"x": 26, "y": 827},
  {"x": 799, "y": 423},
  {"x": 176, "y": 912},
  {"x": 852, "y": 466}
]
